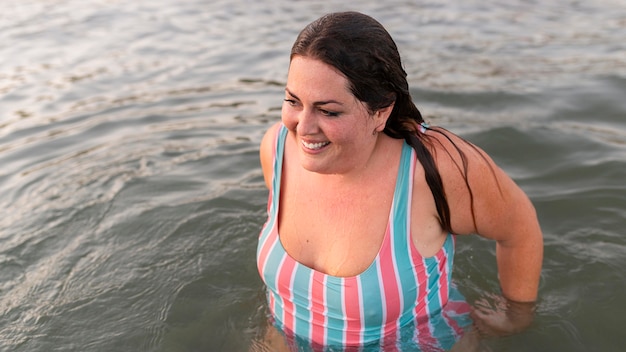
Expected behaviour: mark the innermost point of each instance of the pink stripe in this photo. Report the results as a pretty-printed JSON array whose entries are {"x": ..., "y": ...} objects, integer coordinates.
[
  {"x": 391, "y": 294},
  {"x": 444, "y": 294},
  {"x": 267, "y": 245},
  {"x": 284, "y": 288},
  {"x": 352, "y": 309},
  {"x": 318, "y": 304},
  {"x": 458, "y": 307},
  {"x": 424, "y": 334},
  {"x": 315, "y": 347},
  {"x": 390, "y": 345},
  {"x": 454, "y": 325},
  {"x": 423, "y": 330}
]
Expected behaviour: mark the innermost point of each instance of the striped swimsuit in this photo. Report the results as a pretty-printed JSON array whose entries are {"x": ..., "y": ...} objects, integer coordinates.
[{"x": 399, "y": 297}]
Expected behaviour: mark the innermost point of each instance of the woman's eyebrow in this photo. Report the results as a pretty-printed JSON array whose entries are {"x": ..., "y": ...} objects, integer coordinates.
[{"x": 317, "y": 103}]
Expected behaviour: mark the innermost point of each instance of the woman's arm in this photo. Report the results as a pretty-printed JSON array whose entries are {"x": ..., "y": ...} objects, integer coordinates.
[
  {"x": 487, "y": 202},
  {"x": 491, "y": 205}
]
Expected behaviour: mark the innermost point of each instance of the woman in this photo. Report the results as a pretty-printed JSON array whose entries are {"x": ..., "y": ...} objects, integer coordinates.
[{"x": 365, "y": 197}]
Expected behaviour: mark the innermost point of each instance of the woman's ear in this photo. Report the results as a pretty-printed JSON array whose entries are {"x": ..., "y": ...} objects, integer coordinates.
[{"x": 381, "y": 116}]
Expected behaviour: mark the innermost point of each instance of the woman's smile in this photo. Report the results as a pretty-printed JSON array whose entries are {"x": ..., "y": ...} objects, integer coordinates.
[
  {"x": 331, "y": 126},
  {"x": 315, "y": 146}
]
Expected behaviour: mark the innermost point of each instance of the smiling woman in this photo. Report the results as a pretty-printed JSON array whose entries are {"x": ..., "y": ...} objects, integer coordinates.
[
  {"x": 132, "y": 194},
  {"x": 364, "y": 199},
  {"x": 334, "y": 129}
]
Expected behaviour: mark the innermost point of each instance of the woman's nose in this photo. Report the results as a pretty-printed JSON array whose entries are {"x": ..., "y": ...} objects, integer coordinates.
[{"x": 307, "y": 123}]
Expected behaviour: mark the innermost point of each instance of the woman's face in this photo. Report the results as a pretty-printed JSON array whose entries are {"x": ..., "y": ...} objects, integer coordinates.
[{"x": 333, "y": 131}]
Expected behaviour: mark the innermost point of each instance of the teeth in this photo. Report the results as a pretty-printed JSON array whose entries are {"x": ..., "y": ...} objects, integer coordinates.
[{"x": 315, "y": 145}]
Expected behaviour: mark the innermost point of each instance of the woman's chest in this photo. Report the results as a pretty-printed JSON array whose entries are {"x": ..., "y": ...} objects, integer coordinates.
[{"x": 335, "y": 231}]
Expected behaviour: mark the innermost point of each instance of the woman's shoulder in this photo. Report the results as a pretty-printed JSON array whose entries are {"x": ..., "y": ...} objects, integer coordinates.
[
  {"x": 266, "y": 151},
  {"x": 457, "y": 158},
  {"x": 440, "y": 139},
  {"x": 477, "y": 190},
  {"x": 270, "y": 136}
]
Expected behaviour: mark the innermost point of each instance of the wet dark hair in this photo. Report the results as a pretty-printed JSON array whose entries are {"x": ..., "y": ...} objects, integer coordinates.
[{"x": 361, "y": 48}]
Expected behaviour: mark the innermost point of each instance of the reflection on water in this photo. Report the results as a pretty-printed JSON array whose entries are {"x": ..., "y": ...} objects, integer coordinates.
[{"x": 131, "y": 190}]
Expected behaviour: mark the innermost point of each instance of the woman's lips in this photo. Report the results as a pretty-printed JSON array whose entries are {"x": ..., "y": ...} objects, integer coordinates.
[{"x": 315, "y": 146}]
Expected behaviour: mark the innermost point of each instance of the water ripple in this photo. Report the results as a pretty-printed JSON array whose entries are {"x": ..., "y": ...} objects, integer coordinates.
[{"x": 130, "y": 181}]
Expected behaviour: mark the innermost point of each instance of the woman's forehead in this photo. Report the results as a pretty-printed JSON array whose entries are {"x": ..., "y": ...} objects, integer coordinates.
[{"x": 311, "y": 76}]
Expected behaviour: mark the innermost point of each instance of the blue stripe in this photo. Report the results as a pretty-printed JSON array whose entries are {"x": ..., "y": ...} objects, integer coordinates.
[
  {"x": 278, "y": 166},
  {"x": 275, "y": 254},
  {"x": 401, "y": 236},
  {"x": 271, "y": 267},
  {"x": 335, "y": 324},
  {"x": 432, "y": 267},
  {"x": 444, "y": 333},
  {"x": 372, "y": 304},
  {"x": 407, "y": 337},
  {"x": 301, "y": 284}
]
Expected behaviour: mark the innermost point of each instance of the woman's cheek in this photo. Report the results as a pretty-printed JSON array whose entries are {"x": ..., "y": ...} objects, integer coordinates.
[{"x": 289, "y": 117}]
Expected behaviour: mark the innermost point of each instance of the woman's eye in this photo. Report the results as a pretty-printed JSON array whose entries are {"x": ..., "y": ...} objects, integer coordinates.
[
  {"x": 290, "y": 102},
  {"x": 329, "y": 113}
]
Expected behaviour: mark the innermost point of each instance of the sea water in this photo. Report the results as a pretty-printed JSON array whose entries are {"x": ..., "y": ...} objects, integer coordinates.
[{"x": 130, "y": 185}]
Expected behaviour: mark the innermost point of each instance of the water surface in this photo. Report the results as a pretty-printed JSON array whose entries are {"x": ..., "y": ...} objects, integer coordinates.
[{"x": 131, "y": 190}]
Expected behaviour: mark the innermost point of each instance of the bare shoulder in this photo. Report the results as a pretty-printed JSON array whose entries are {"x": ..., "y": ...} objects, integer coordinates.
[
  {"x": 267, "y": 153},
  {"x": 482, "y": 198}
]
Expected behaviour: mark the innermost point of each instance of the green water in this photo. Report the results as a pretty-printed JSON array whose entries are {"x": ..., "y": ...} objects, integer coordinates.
[{"x": 132, "y": 195}]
